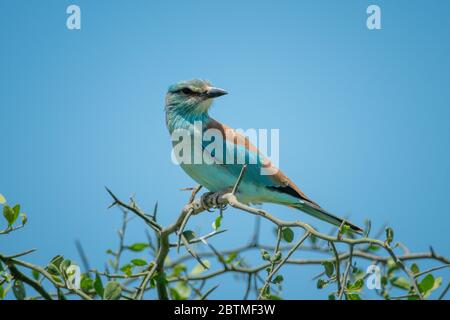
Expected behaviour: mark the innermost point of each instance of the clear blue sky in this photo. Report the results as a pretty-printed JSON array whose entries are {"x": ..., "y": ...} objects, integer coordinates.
[{"x": 363, "y": 115}]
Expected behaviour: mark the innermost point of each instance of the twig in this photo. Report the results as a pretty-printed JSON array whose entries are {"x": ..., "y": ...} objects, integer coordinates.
[
  {"x": 337, "y": 266},
  {"x": 238, "y": 182},
  {"x": 248, "y": 288},
  {"x": 17, "y": 255},
  {"x": 294, "y": 248},
  {"x": 442, "y": 295},
  {"x": 201, "y": 239},
  {"x": 148, "y": 276},
  {"x": 11, "y": 229},
  {"x": 135, "y": 210},
  {"x": 346, "y": 272},
  {"x": 274, "y": 260},
  {"x": 207, "y": 293},
  {"x": 47, "y": 276},
  {"x": 21, "y": 277},
  {"x": 431, "y": 270},
  {"x": 192, "y": 252},
  {"x": 82, "y": 254},
  {"x": 121, "y": 233}
]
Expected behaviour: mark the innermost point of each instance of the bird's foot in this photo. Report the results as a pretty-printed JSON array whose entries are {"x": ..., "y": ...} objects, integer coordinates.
[{"x": 210, "y": 200}]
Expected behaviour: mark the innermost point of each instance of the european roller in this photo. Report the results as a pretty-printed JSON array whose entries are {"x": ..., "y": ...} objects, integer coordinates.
[{"x": 187, "y": 105}]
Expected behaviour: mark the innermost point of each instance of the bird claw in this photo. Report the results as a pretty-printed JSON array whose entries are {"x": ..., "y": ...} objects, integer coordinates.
[
  {"x": 203, "y": 200},
  {"x": 213, "y": 201}
]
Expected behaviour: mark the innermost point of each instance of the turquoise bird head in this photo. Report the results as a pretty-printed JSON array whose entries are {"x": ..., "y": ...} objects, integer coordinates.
[{"x": 192, "y": 97}]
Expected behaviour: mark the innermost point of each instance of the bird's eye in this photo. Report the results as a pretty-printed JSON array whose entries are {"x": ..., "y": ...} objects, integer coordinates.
[{"x": 187, "y": 91}]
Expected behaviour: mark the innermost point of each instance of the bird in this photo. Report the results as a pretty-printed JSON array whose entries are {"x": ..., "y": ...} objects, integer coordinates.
[{"x": 187, "y": 106}]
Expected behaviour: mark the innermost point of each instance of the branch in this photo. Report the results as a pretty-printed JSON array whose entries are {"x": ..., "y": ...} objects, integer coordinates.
[{"x": 214, "y": 200}]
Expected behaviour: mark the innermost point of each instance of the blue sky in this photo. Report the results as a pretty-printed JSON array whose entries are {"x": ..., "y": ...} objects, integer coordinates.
[{"x": 363, "y": 115}]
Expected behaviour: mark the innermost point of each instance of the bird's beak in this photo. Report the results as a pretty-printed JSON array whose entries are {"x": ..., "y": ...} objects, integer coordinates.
[{"x": 215, "y": 92}]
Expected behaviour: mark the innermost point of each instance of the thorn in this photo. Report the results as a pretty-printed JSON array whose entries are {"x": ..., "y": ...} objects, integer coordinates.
[
  {"x": 116, "y": 200},
  {"x": 432, "y": 251},
  {"x": 110, "y": 193},
  {"x": 155, "y": 211},
  {"x": 238, "y": 182},
  {"x": 187, "y": 189},
  {"x": 112, "y": 204},
  {"x": 179, "y": 242}
]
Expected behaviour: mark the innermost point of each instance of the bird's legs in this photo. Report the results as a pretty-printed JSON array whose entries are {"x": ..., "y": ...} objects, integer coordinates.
[{"x": 211, "y": 200}]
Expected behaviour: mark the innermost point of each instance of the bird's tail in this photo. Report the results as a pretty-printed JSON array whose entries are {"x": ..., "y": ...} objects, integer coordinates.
[{"x": 319, "y": 213}]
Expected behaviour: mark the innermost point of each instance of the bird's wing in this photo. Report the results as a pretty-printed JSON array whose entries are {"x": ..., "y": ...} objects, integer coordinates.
[
  {"x": 283, "y": 184},
  {"x": 277, "y": 182}
]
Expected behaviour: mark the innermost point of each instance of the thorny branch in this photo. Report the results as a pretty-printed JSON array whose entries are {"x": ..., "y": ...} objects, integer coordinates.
[{"x": 162, "y": 274}]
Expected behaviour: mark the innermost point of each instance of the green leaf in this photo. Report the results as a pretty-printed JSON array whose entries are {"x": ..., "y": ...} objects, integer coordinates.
[
  {"x": 199, "y": 268},
  {"x": 278, "y": 279},
  {"x": 427, "y": 283},
  {"x": 53, "y": 270},
  {"x": 8, "y": 213},
  {"x": 2, "y": 199},
  {"x": 138, "y": 246},
  {"x": 112, "y": 291},
  {"x": 389, "y": 235},
  {"x": 288, "y": 234},
  {"x": 183, "y": 290},
  {"x": 329, "y": 268},
  {"x": 357, "y": 286},
  {"x": 272, "y": 297},
  {"x": 98, "y": 285},
  {"x": 174, "y": 294},
  {"x": 217, "y": 222},
  {"x": 265, "y": 255},
  {"x": 415, "y": 268},
  {"x": 353, "y": 296},
  {"x": 86, "y": 283},
  {"x": 24, "y": 218},
  {"x": 373, "y": 248},
  {"x": 54, "y": 266},
  {"x": 127, "y": 269},
  {"x": 437, "y": 283},
  {"x": 276, "y": 257},
  {"x": 231, "y": 257},
  {"x": 343, "y": 230},
  {"x": 189, "y": 235},
  {"x": 36, "y": 275},
  {"x": 19, "y": 290},
  {"x": 56, "y": 260},
  {"x": 178, "y": 269},
  {"x": 321, "y": 283},
  {"x": 16, "y": 210},
  {"x": 139, "y": 262},
  {"x": 64, "y": 265},
  {"x": 331, "y": 296}
]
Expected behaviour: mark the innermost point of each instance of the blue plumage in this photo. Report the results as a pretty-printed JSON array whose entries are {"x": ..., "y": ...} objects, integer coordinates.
[{"x": 187, "y": 105}]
